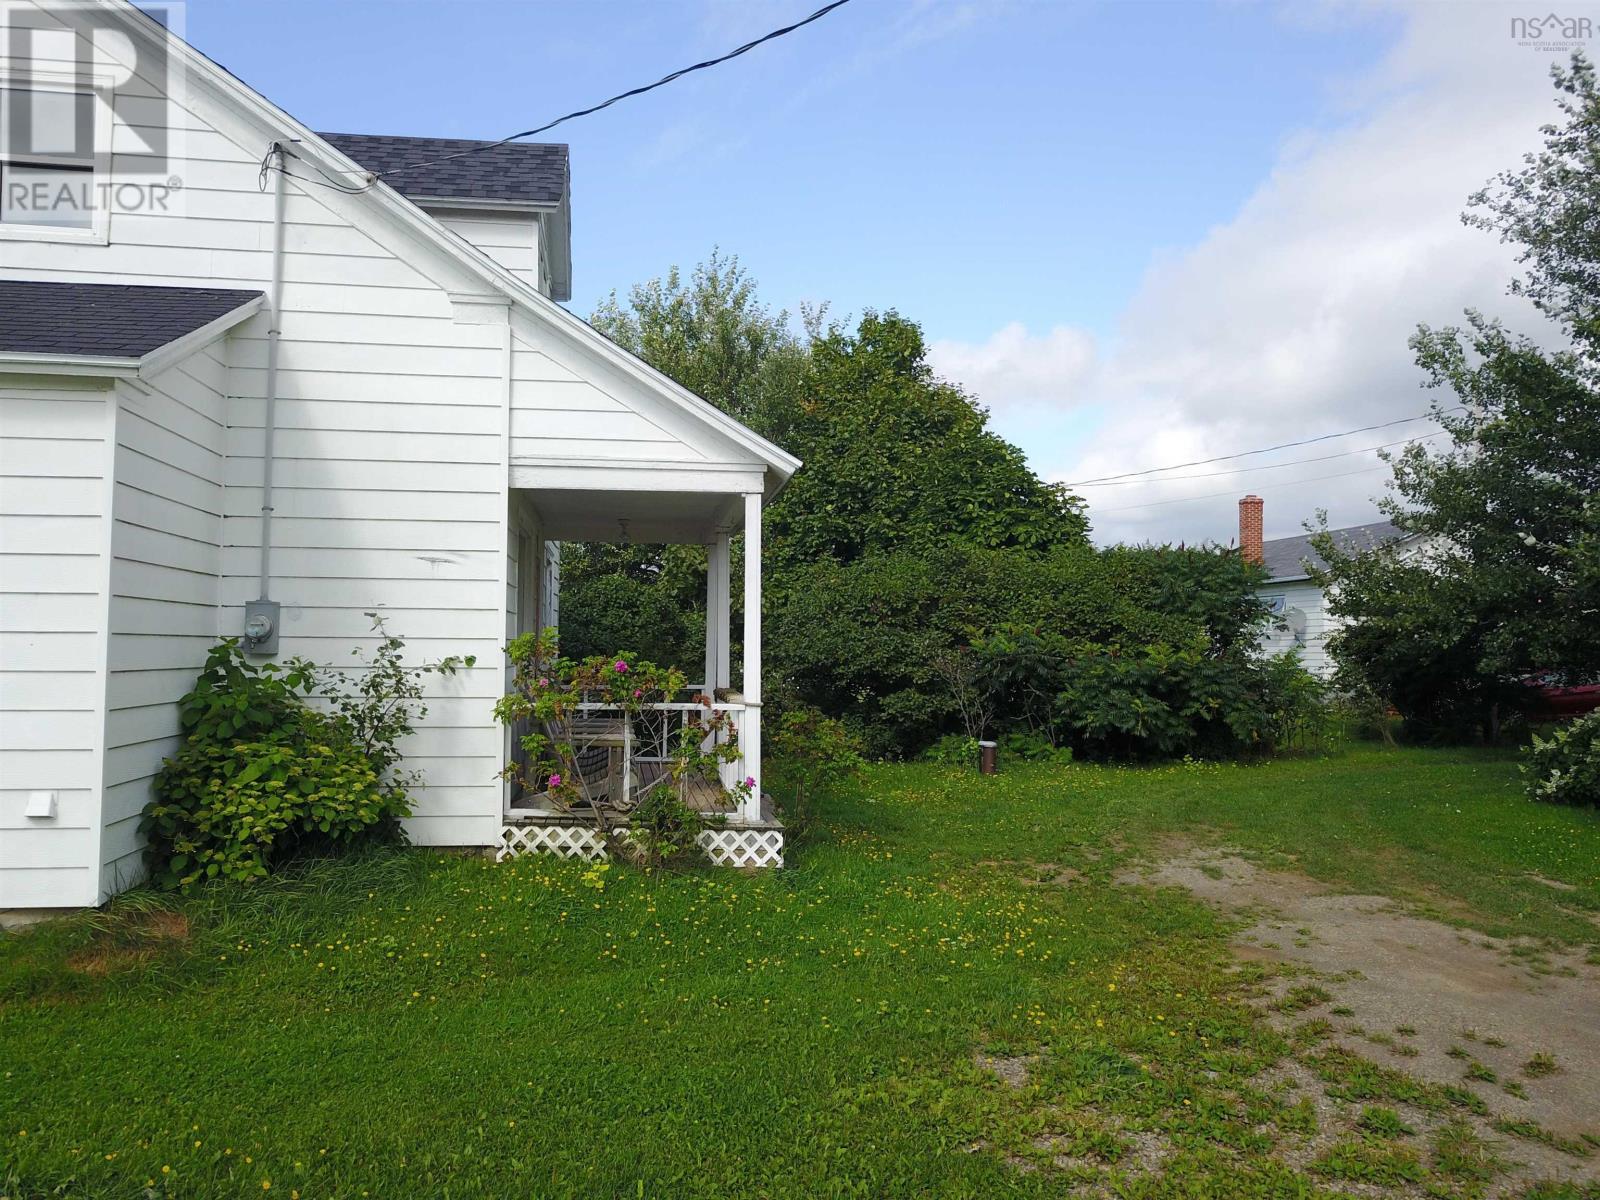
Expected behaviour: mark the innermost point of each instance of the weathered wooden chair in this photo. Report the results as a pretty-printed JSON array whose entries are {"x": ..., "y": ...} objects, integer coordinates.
[{"x": 600, "y": 747}]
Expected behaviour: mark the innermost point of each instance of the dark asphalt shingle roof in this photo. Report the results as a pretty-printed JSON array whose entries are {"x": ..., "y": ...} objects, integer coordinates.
[
  {"x": 105, "y": 320},
  {"x": 518, "y": 172},
  {"x": 1286, "y": 558}
]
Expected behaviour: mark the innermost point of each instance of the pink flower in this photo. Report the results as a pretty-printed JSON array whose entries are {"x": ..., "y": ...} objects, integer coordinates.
[
  {"x": 544, "y": 683},
  {"x": 749, "y": 781},
  {"x": 555, "y": 781},
  {"x": 621, "y": 668}
]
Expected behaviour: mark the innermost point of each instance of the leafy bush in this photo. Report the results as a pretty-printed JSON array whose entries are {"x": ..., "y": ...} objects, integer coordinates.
[
  {"x": 1121, "y": 652},
  {"x": 952, "y": 750},
  {"x": 1032, "y": 747},
  {"x": 381, "y": 703},
  {"x": 602, "y": 611},
  {"x": 261, "y": 775},
  {"x": 1564, "y": 768},
  {"x": 230, "y": 809},
  {"x": 813, "y": 754},
  {"x": 662, "y": 829},
  {"x": 1296, "y": 703},
  {"x": 1164, "y": 700}
]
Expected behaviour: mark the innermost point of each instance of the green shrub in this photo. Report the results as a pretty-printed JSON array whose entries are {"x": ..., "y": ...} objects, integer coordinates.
[
  {"x": 864, "y": 641},
  {"x": 261, "y": 775},
  {"x": 1299, "y": 716},
  {"x": 952, "y": 750},
  {"x": 380, "y": 704},
  {"x": 1032, "y": 747},
  {"x": 812, "y": 754},
  {"x": 1564, "y": 768},
  {"x": 662, "y": 829},
  {"x": 230, "y": 809}
]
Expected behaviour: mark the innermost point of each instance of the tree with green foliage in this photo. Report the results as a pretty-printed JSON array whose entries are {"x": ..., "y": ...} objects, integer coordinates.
[
  {"x": 895, "y": 458},
  {"x": 915, "y": 538},
  {"x": 898, "y": 459},
  {"x": 711, "y": 334},
  {"x": 1510, "y": 583}
]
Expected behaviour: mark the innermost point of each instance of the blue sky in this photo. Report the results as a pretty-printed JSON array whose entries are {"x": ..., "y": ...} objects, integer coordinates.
[
  {"x": 953, "y": 160},
  {"x": 1038, "y": 165}
]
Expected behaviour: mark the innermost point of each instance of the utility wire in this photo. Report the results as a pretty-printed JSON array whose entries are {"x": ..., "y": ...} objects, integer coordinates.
[
  {"x": 1293, "y": 462},
  {"x": 1230, "y": 491},
  {"x": 1200, "y": 462},
  {"x": 373, "y": 177}
]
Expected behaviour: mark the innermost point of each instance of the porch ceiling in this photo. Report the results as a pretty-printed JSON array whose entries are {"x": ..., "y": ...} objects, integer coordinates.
[{"x": 570, "y": 515}]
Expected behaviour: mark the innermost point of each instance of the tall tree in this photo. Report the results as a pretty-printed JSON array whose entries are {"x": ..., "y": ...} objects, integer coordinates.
[
  {"x": 714, "y": 336},
  {"x": 898, "y": 459},
  {"x": 895, "y": 458},
  {"x": 1512, "y": 583}
]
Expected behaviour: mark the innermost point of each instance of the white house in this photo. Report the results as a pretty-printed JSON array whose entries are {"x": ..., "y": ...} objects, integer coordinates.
[
  {"x": 300, "y": 388},
  {"x": 1301, "y": 620}
]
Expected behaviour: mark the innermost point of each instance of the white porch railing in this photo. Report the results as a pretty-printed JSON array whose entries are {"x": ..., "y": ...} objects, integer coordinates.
[{"x": 649, "y": 735}]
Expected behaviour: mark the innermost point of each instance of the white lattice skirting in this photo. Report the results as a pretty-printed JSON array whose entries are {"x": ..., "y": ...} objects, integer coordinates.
[
  {"x": 565, "y": 841},
  {"x": 743, "y": 847},
  {"x": 724, "y": 847}
]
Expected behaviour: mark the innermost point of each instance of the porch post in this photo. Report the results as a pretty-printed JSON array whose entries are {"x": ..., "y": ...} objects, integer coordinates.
[
  {"x": 722, "y": 665},
  {"x": 712, "y": 591},
  {"x": 750, "y": 731}
]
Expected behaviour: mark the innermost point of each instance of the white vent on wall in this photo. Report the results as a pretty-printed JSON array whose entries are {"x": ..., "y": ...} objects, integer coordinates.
[{"x": 41, "y": 806}]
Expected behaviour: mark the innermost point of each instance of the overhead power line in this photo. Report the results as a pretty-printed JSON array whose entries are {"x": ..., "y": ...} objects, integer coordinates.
[
  {"x": 1213, "y": 495},
  {"x": 373, "y": 177},
  {"x": 1200, "y": 462},
  {"x": 1293, "y": 462}
]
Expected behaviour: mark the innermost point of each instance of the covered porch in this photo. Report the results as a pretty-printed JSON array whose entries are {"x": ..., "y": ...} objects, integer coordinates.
[{"x": 682, "y": 504}]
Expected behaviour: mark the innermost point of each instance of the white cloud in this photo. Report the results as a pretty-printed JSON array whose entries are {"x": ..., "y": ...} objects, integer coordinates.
[
  {"x": 1291, "y": 320},
  {"x": 1015, "y": 369}
]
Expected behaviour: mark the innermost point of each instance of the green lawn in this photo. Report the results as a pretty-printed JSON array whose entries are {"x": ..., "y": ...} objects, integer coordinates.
[{"x": 427, "y": 1026}]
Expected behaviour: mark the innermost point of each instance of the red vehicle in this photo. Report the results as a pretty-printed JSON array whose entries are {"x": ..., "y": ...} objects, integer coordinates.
[{"x": 1557, "y": 701}]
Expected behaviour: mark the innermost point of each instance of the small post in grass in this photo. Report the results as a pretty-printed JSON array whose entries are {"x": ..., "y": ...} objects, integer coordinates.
[{"x": 988, "y": 754}]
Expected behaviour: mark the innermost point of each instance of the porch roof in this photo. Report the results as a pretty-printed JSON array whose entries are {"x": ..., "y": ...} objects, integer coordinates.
[{"x": 681, "y": 517}]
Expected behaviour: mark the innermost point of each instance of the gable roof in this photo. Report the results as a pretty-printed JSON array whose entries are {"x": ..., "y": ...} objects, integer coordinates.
[
  {"x": 101, "y": 320},
  {"x": 523, "y": 173},
  {"x": 501, "y": 281},
  {"x": 1286, "y": 558}
]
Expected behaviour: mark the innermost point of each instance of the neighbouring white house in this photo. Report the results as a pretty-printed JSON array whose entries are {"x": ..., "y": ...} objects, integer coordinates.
[
  {"x": 302, "y": 384},
  {"x": 1301, "y": 620}
]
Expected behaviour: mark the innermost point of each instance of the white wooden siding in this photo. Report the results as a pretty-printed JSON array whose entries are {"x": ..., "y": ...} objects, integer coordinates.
[
  {"x": 166, "y": 544},
  {"x": 1308, "y": 598},
  {"x": 55, "y": 460},
  {"x": 510, "y": 238},
  {"x": 391, "y": 480},
  {"x": 556, "y": 415}
]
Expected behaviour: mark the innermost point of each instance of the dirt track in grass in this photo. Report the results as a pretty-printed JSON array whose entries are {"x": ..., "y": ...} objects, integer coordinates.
[{"x": 1515, "y": 1021}]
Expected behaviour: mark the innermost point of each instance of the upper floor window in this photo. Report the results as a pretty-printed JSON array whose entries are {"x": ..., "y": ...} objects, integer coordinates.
[{"x": 48, "y": 159}]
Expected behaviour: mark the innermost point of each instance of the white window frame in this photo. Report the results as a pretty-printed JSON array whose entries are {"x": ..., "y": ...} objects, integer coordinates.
[{"x": 98, "y": 232}]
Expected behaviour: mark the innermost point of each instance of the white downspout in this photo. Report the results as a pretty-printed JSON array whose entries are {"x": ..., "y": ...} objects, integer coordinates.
[{"x": 274, "y": 331}]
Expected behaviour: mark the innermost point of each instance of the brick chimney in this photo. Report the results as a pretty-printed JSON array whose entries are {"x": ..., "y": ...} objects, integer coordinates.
[{"x": 1250, "y": 529}]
